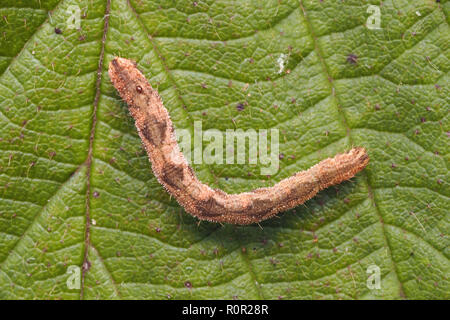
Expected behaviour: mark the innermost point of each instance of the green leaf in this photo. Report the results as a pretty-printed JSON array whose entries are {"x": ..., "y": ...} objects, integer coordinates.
[{"x": 76, "y": 188}]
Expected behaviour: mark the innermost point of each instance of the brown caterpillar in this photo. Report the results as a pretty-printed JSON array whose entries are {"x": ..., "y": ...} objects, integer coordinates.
[{"x": 175, "y": 174}]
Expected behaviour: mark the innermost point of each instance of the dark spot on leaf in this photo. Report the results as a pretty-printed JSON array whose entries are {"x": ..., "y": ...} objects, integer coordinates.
[
  {"x": 139, "y": 89},
  {"x": 352, "y": 58},
  {"x": 188, "y": 285},
  {"x": 96, "y": 194},
  {"x": 86, "y": 265},
  {"x": 58, "y": 31},
  {"x": 240, "y": 107}
]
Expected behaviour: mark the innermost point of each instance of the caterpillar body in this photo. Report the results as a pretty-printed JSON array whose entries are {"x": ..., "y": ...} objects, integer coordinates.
[{"x": 172, "y": 170}]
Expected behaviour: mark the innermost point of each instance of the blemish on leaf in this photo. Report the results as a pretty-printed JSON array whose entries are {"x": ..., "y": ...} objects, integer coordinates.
[
  {"x": 273, "y": 261},
  {"x": 86, "y": 265},
  {"x": 352, "y": 58},
  {"x": 281, "y": 62}
]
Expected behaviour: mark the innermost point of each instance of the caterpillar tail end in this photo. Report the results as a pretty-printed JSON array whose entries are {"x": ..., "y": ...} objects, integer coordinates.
[{"x": 342, "y": 167}]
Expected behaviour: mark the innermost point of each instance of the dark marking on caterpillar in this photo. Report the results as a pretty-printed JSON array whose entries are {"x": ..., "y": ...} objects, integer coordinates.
[
  {"x": 154, "y": 131},
  {"x": 173, "y": 171},
  {"x": 173, "y": 175}
]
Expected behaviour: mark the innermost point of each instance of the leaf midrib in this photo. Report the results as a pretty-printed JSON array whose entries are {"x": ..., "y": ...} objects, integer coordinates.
[{"x": 86, "y": 264}]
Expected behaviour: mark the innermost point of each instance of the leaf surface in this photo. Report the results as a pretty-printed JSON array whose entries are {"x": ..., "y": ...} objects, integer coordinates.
[{"x": 76, "y": 187}]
